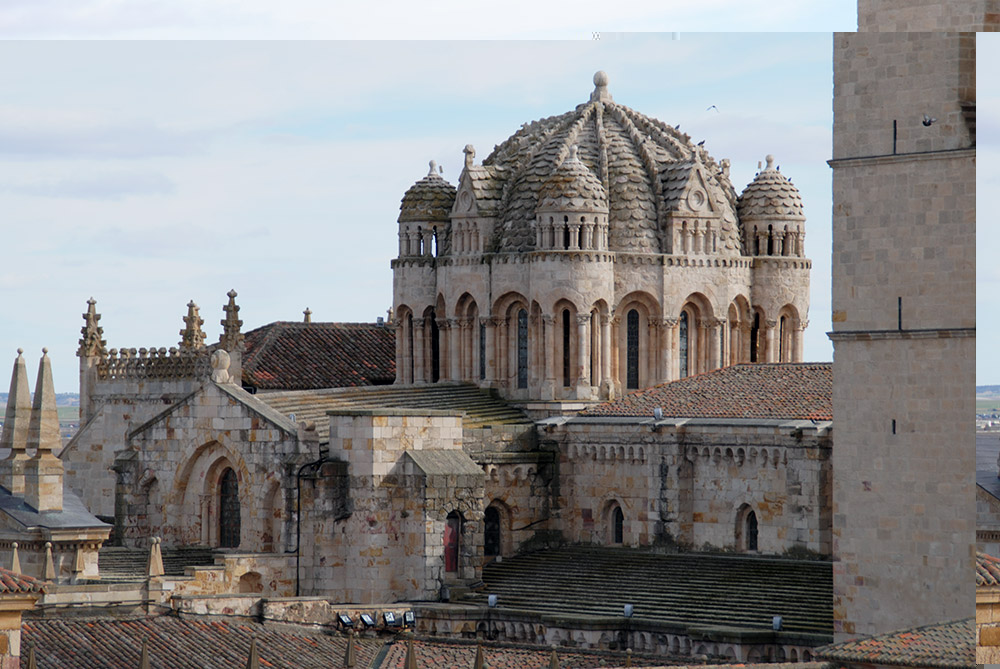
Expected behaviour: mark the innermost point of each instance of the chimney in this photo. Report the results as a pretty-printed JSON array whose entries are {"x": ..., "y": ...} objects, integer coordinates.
[{"x": 43, "y": 473}]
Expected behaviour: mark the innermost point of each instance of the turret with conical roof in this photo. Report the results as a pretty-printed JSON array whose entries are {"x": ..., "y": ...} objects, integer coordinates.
[
  {"x": 572, "y": 211},
  {"x": 424, "y": 214},
  {"x": 770, "y": 211}
]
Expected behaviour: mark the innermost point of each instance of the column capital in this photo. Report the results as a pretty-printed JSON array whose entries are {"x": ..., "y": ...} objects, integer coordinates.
[{"x": 583, "y": 319}]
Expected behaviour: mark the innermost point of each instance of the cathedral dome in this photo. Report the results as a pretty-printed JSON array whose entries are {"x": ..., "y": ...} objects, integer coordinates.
[
  {"x": 626, "y": 152},
  {"x": 430, "y": 199},
  {"x": 573, "y": 187},
  {"x": 770, "y": 195}
]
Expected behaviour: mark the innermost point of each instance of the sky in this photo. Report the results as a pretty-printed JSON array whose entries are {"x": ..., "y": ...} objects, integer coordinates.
[
  {"x": 148, "y": 174},
  {"x": 987, "y": 231}
]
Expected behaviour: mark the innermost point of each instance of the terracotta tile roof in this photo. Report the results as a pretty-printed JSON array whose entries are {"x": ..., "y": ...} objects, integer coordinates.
[
  {"x": 442, "y": 654},
  {"x": 301, "y": 356},
  {"x": 74, "y": 643},
  {"x": 987, "y": 570},
  {"x": 13, "y": 582},
  {"x": 777, "y": 390},
  {"x": 950, "y": 645}
]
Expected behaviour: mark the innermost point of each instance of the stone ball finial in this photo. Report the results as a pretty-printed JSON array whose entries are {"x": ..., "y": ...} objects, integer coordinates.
[
  {"x": 232, "y": 293},
  {"x": 20, "y": 351},
  {"x": 220, "y": 366},
  {"x": 433, "y": 168},
  {"x": 600, "y": 78},
  {"x": 600, "y": 93},
  {"x": 45, "y": 351},
  {"x": 770, "y": 160},
  {"x": 572, "y": 153}
]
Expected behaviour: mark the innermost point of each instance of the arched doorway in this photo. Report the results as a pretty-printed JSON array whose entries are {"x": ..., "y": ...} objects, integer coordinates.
[
  {"x": 618, "y": 526},
  {"x": 452, "y": 541},
  {"x": 229, "y": 509},
  {"x": 746, "y": 528},
  {"x": 491, "y": 532}
]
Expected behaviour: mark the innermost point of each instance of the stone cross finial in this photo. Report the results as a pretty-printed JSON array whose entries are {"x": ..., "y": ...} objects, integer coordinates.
[
  {"x": 91, "y": 344},
  {"x": 470, "y": 155},
  {"x": 600, "y": 93},
  {"x": 192, "y": 337},
  {"x": 308, "y": 315},
  {"x": 231, "y": 338}
]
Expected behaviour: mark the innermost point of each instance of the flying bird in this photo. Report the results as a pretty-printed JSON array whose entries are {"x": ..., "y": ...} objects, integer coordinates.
[
  {"x": 713, "y": 107},
  {"x": 701, "y": 143},
  {"x": 928, "y": 120}
]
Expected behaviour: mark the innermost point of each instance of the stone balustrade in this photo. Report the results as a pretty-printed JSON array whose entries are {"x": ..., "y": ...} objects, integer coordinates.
[{"x": 154, "y": 363}]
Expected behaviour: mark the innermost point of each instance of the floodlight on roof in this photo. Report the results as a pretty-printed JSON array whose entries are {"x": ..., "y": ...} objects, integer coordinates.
[
  {"x": 628, "y": 610},
  {"x": 390, "y": 619},
  {"x": 408, "y": 619},
  {"x": 367, "y": 620},
  {"x": 492, "y": 601},
  {"x": 345, "y": 620},
  {"x": 776, "y": 623}
]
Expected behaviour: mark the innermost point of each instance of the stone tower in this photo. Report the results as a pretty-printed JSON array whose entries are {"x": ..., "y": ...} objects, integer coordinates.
[{"x": 903, "y": 323}]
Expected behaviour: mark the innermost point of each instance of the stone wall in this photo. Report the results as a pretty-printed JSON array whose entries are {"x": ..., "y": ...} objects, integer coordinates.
[
  {"x": 904, "y": 337},
  {"x": 687, "y": 482},
  {"x": 924, "y": 15}
]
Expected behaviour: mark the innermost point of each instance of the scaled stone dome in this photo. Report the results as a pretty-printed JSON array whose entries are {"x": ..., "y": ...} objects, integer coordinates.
[
  {"x": 430, "y": 199},
  {"x": 628, "y": 154},
  {"x": 770, "y": 195},
  {"x": 573, "y": 187}
]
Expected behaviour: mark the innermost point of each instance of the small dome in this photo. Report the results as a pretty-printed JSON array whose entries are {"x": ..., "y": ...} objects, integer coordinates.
[
  {"x": 770, "y": 195},
  {"x": 572, "y": 187},
  {"x": 430, "y": 199}
]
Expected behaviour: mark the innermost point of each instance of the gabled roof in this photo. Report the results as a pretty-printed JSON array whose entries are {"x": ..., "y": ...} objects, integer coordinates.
[
  {"x": 442, "y": 462},
  {"x": 12, "y": 582},
  {"x": 949, "y": 645},
  {"x": 762, "y": 391},
  {"x": 301, "y": 356}
]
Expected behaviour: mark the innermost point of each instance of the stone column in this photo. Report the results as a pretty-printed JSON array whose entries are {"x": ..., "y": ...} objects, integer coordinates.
[
  {"x": 778, "y": 239},
  {"x": 400, "y": 353},
  {"x": 715, "y": 347},
  {"x": 799, "y": 346},
  {"x": 454, "y": 330},
  {"x": 583, "y": 355},
  {"x": 574, "y": 236},
  {"x": 697, "y": 235},
  {"x": 419, "y": 370},
  {"x": 539, "y": 232},
  {"x": 771, "y": 352},
  {"x": 607, "y": 388},
  {"x": 668, "y": 328}
]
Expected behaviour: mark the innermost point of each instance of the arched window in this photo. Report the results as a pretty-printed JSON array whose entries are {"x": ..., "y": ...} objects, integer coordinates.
[
  {"x": 491, "y": 532},
  {"x": 682, "y": 346},
  {"x": 482, "y": 351},
  {"x": 617, "y": 526},
  {"x": 754, "y": 335},
  {"x": 750, "y": 530},
  {"x": 522, "y": 349},
  {"x": 229, "y": 509},
  {"x": 632, "y": 349},
  {"x": 565, "y": 348},
  {"x": 565, "y": 232},
  {"x": 782, "y": 344},
  {"x": 452, "y": 541},
  {"x": 435, "y": 349},
  {"x": 770, "y": 240}
]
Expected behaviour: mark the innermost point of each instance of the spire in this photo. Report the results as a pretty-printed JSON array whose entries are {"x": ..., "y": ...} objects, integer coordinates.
[
  {"x": 15, "y": 428},
  {"x": 231, "y": 336},
  {"x": 253, "y": 662},
  {"x": 91, "y": 344},
  {"x": 192, "y": 337},
  {"x": 43, "y": 473},
  {"x": 144, "y": 657}
]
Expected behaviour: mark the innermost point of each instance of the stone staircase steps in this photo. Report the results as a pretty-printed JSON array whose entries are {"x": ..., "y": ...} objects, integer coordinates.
[
  {"x": 688, "y": 589},
  {"x": 118, "y": 563},
  {"x": 480, "y": 407}
]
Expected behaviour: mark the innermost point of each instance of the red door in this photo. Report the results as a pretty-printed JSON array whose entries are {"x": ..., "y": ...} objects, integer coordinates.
[{"x": 452, "y": 531}]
